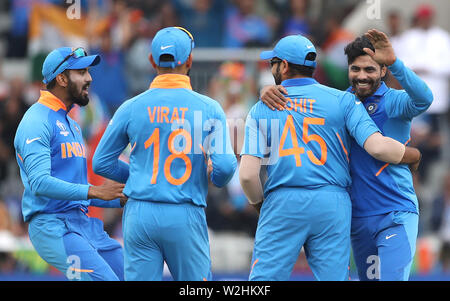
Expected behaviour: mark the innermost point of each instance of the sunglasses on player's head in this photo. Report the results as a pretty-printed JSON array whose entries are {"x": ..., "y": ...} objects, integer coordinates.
[
  {"x": 189, "y": 35},
  {"x": 274, "y": 61},
  {"x": 79, "y": 52}
]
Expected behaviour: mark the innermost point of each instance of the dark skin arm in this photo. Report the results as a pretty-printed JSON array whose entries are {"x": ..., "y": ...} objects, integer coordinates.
[
  {"x": 258, "y": 206},
  {"x": 412, "y": 157},
  {"x": 273, "y": 97}
]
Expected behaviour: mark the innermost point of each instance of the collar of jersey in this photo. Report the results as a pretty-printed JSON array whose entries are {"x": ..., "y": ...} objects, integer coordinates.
[
  {"x": 382, "y": 89},
  {"x": 298, "y": 82},
  {"x": 171, "y": 81},
  {"x": 51, "y": 101}
]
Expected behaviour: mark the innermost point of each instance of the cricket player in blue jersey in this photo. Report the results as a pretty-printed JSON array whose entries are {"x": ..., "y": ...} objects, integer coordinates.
[
  {"x": 175, "y": 134},
  {"x": 305, "y": 202},
  {"x": 52, "y": 158},
  {"x": 384, "y": 205},
  {"x": 385, "y": 208}
]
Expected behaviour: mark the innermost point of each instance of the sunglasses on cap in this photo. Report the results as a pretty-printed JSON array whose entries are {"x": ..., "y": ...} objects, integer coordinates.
[
  {"x": 79, "y": 52},
  {"x": 189, "y": 35},
  {"x": 275, "y": 61}
]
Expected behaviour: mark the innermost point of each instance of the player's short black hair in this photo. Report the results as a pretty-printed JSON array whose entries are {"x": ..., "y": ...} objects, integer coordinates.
[
  {"x": 302, "y": 70},
  {"x": 355, "y": 48}
]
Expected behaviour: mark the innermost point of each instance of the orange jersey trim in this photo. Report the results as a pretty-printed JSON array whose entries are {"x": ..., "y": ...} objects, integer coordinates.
[
  {"x": 171, "y": 81},
  {"x": 51, "y": 101},
  {"x": 253, "y": 265},
  {"x": 387, "y": 164},
  {"x": 343, "y": 147}
]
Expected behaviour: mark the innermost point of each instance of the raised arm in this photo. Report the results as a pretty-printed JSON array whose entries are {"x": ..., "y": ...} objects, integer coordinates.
[{"x": 418, "y": 96}]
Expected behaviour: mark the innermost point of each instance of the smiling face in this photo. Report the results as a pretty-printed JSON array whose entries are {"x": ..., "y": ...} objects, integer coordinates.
[
  {"x": 365, "y": 76},
  {"x": 78, "y": 85}
]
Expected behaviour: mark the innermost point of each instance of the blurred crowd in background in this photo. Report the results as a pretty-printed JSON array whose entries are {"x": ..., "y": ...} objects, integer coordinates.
[{"x": 121, "y": 32}]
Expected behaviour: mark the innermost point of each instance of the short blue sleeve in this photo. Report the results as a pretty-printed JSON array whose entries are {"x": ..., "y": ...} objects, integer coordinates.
[{"x": 357, "y": 120}]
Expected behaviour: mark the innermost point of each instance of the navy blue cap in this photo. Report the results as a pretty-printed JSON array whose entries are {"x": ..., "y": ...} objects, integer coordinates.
[
  {"x": 75, "y": 61},
  {"x": 175, "y": 41},
  {"x": 293, "y": 49}
]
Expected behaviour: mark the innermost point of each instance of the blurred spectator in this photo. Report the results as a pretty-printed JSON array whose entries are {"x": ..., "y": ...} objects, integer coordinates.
[
  {"x": 228, "y": 209},
  {"x": 166, "y": 16},
  {"x": 297, "y": 20},
  {"x": 204, "y": 19},
  {"x": 11, "y": 112},
  {"x": 18, "y": 35},
  {"x": 394, "y": 23},
  {"x": 425, "y": 49},
  {"x": 108, "y": 78},
  {"x": 139, "y": 72},
  {"x": 244, "y": 28},
  {"x": 440, "y": 221}
]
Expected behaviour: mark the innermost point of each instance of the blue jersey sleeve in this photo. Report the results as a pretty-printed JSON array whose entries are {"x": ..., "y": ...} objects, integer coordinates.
[
  {"x": 221, "y": 154},
  {"x": 105, "y": 161},
  {"x": 414, "y": 99},
  {"x": 32, "y": 145},
  {"x": 357, "y": 120}
]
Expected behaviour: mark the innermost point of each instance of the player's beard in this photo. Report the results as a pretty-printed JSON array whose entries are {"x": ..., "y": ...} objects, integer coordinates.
[
  {"x": 77, "y": 95},
  {"x": 277, "y": 75},
  {"x": 373, "y": 86}
]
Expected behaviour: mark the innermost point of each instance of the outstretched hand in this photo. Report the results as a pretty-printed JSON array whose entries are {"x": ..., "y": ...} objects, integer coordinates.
[
  {"x": 273, "y": 97},
  {"x": 384, "y": 52}
]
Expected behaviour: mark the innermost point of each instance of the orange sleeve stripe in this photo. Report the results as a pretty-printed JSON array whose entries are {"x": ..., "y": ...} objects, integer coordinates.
[
  {"x": 132, "y": 148},
  {"x": 381, "y": 169},
  {"x": 253, "y": 265},
  {"x": 387, "y": 164},
  {"x": 343, "y": 147}
]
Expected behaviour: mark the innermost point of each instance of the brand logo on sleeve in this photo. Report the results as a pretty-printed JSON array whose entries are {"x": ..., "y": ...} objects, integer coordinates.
[{"x": 31, "y": 140}]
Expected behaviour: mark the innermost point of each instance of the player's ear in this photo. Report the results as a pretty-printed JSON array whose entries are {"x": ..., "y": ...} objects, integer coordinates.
[
  {"x": 284, "y": 67},
  {"x": 189, "y": 61},
  {"x": 152, "y": 61},
  {"x": 383, "y": 71},
  {"x": 62, "y": 79}
]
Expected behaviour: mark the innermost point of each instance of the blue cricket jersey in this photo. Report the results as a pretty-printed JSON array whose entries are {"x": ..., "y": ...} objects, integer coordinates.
[
  {"x": 51, "y": 155},
  {"x": 379, "y": 187},
  {"x": 173, "y": 131},
  {"x": 306, "y": 145}
]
